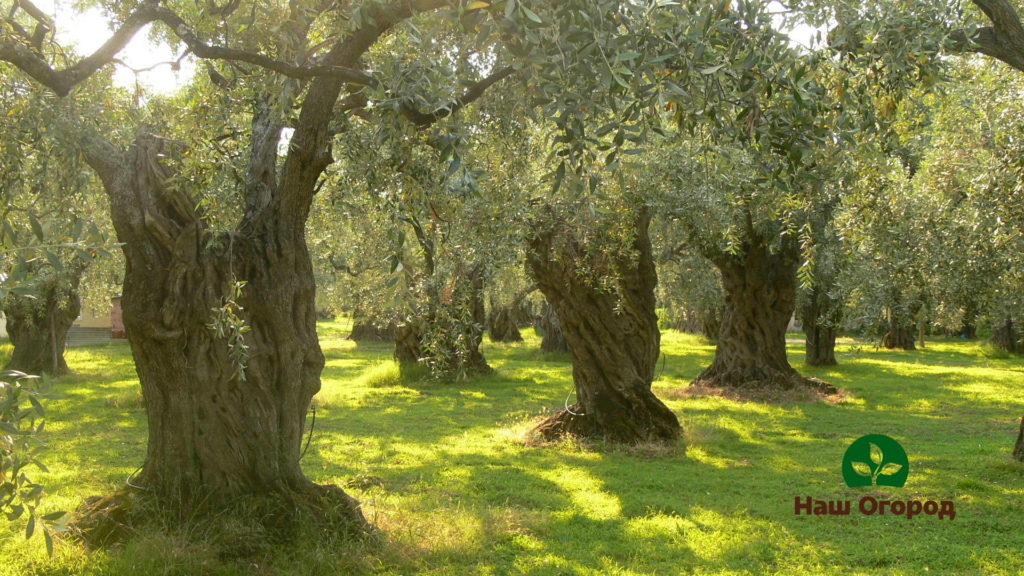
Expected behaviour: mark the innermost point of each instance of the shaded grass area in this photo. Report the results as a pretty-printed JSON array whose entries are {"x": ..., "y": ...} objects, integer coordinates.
[{"x": 441, "y": 469}]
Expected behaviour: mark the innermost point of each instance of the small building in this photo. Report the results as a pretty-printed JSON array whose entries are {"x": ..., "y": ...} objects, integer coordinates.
[{"x": 92, "y": 327}]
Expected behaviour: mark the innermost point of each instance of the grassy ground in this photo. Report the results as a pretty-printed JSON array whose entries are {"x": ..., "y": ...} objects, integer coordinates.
[{"x": 442, "y": 471}]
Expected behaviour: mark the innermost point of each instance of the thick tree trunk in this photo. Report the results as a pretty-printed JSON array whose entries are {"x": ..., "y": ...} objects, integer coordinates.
[
  {"x": 448, "y": 336},
  {"x": 38, "y": 326},
  {"x": 366, "y": 329},
  {"x": 226, "y": 408},
  {"x": 552, "y": 337},
  {"x": 504, "y": 321},
  {"x": 408, "y": 343},
  {"x": 760, "y": 298},
  {"x": 968, "y": 330},
  {"x": 473, "y": 331},
  {"x": 710, "y": 323},
  {"x": 1005, "y": 337},
  {"x": 820, "y": 343},
  {"x": 899, "y": 335},
  {"x": 502, "y": 325},
  {"x": 819, "y": 315},
  {"x": 613, "y": 338}
]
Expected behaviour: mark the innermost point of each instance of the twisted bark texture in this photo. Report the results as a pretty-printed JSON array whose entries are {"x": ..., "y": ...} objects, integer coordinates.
[
  {"x": 1005, "y": 337},
  {"x": 223, "y": 325},
  {"x": 449, "y": 332},
  {"x": 217, "y": 429},
  {"x": 553, "y": 338},
  {"x": 613, "y": 338},
  {"x": 760, "y": 298},
  {"x": 38, "y": 326},
  {"x": 820, "y": 315}
]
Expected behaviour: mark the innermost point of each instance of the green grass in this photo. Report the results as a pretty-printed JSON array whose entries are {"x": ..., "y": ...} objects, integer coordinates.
[{"x": 441, "y": 469}]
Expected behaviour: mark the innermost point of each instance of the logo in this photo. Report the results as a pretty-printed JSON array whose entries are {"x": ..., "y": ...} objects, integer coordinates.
[{"x": 875, "y": 460}]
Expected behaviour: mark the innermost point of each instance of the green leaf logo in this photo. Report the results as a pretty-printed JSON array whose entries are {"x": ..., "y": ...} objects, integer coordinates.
[
  {"x": 862, "y": 469},
  {"x": 876, "y": 454},
  {"x": 875, "y": 460}
]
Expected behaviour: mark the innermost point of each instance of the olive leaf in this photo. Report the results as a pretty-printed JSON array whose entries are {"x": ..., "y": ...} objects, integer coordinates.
[
  {"x": 890, "y": 469},
  {"x": 861, "y": 468},
  {"x": 876, "y": 454}
]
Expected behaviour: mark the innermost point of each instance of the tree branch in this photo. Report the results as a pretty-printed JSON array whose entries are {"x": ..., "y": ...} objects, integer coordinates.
[
  {"x": 1004, "y": 40},
  {"x": 206, "y": 51},
  {"x": 471, "y": 94},
  {"x": 62, "y": 81}
]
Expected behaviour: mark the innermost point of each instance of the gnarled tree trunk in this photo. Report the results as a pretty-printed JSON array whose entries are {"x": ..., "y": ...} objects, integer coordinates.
[
  {"x": 900, "y": 334},
  {"x": 502, "y": 325},
  {"x": 613, "y": 338},
  {"x": 1005, "y": 337},
  {"x": 760, "y": 298},
  {"x": 504, "y": 321},
  {"x": 226, "y": 409},
  {"x": 820, "y": 314},
  {"x": 365, "y": 329},
  {"x": 38, "y": 326},
  {"x": 552, "y": 337}
]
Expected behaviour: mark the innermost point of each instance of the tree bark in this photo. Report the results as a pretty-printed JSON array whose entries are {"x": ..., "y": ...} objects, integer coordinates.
[
  {"x": 1005, "y": 337},
  {"x": 899, "y": 335},
  {"x": 226, "y": 409},
  {"x": 820, "y": 315},
  {"x": 613, "y": 338},
  {"x": 552, "y": 337},
  {"x": 38, "y": 326},
  {"x": 448, "y": 336},
  {"x": 502, "y": 325},
  {"x": 473, "y": 331},
  {"x": 504, "y": 321},
  {"x": 1018, "y": 448},
  {"x": 366, "y": 329},
  {"x": 760, "y": 298}
]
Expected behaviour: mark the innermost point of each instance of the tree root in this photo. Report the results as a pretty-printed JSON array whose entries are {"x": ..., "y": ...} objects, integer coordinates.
[
  {"x": 650, "y": 425},
  {"x": 241, "y": 527}
]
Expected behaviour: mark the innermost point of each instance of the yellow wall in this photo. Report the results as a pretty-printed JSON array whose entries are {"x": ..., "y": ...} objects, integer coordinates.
[{"x": 94, "y": 319}]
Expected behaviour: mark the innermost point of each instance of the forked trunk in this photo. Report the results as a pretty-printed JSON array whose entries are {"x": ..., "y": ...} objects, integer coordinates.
[
  {"x": 613, "y": 338},
  {"x": 502, "y": 325},
  {"x": 408, "y": 343},
  {"x": 710, "y": 323},
  {"x": 505, "y": 320},
  {"x": 226, "y": 407},
  {"x": 760, "y": 297},
  {"x": 38, "y": 326}
]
